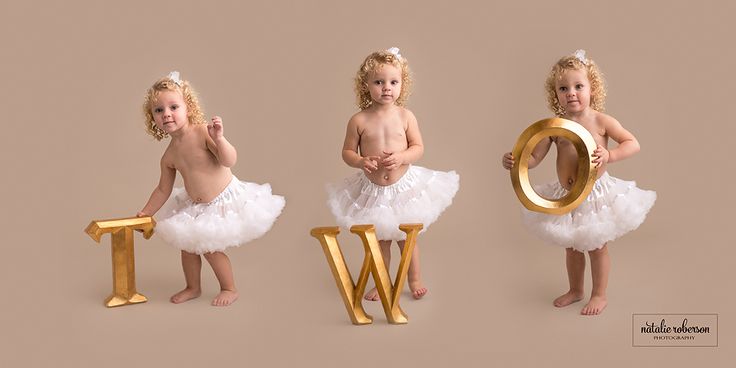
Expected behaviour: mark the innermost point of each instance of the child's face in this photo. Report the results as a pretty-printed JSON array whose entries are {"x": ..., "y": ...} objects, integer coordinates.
[
  {"x": 170, "y": 111},
  {"x": 573, "y": 91},
  {"x": 384, "y": 84}
]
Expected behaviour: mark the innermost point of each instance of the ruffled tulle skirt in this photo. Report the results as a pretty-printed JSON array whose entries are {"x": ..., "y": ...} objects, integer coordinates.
[
  {"x": 419, "y": 196},
  {"x": 242, "y": 212},
  {"x": 613, "y": 208}
]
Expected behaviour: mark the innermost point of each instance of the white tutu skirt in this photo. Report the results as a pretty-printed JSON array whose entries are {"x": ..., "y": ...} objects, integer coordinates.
[
  {"x": 419, "y": 196},
  {"x": 242, "y": 212},
  {"x": 613, "y": 208}
]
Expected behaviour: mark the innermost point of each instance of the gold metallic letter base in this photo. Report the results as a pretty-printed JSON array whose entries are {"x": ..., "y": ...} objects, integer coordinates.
[
  {"x": 352, "y": 294},
  {"x": 586, "y": 175},
  {"x": 123, "y": 261}
]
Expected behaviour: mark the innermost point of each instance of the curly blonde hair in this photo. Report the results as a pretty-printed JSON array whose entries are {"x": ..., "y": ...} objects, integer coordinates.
[
  {"x": 373, "y": 63},
  {"x": 572, "y": 62},
  {"x": 166, "y": 84}
]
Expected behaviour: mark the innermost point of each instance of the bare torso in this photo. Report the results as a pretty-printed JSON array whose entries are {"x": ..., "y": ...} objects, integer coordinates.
[
  {"x": 204, "y": 177},
  {"x": 567, "y": 156},
  {"x": 380, "y": 133}
]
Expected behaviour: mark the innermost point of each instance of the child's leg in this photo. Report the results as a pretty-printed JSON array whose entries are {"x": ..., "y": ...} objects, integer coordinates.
[
  {"x": 575, "y": 262},
  {"x": 192, "y": 265},
  {"x": 600, "y": 266},
  {"x": 415, "y": 283},
  {"x": 224, "y": 272},
  {"x": 385, "y": 246}
]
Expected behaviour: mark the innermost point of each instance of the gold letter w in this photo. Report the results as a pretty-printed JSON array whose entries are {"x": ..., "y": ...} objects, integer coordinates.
[{"x": 352, "y": 294}]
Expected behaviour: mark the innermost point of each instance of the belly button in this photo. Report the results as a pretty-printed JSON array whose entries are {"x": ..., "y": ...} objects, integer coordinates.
[
  {"x": 199, "y": 199},
  {"x": 385, "y": 177},
  {"x": 569, "y": 181}
]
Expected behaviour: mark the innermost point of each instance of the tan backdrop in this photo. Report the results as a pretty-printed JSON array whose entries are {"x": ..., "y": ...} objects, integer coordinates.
[{"x": 73, "y": 78}]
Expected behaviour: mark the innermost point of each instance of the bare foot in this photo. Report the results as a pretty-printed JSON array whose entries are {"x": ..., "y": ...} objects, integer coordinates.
[
  {"x": 567, "y": 299},
  {"x": 225, "y": 298},
  {"x": 185, "y": 295},
  {"x": 595, "y": 306},
  {"x": 372, "y": 295},
  {"x": 417, "y": 289}
]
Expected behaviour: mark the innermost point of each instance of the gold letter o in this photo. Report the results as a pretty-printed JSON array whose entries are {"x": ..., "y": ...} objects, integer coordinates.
[{"x": 586, "y": 175}]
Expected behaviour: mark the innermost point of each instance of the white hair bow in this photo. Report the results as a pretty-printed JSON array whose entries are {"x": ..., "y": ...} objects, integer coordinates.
[
  {"x": 395, "y": 51},
  {"x": 580, "y": 55},
  {"x": 174, "y": 76}
]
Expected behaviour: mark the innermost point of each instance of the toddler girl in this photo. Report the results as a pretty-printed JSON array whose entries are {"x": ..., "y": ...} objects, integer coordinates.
[
  {"x": 575, "y": 91},
  {"x": 214, "y": 210},
  {"x": 383, "y": 141}
]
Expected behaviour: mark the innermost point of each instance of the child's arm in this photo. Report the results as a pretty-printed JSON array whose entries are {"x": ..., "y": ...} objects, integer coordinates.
[
  {"x": 627, "y": 143},
  {"x": 414, "y": 150},
  {"x": 162, "y": 191},
  {"x": 350, "y": 150},
  {"x": 218, "y": 145},
  {"x": 538, "y": 154}
]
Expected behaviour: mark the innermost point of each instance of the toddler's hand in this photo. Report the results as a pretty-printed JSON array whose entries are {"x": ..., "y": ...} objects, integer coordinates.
[
  {"x": 392, "y": 160},
  {"x": 215, "y": 130},
  {"x": 141, "y": 214},
  {"x": 507, "y": 161},
  {"x": 600, "y": 156},
  {"x": 369, "y": 163}
]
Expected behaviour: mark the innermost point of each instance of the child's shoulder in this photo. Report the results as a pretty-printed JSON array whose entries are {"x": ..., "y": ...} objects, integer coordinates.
[
  {"x": 361, "y": 115},
  {"x": 199, "y": 130},
  {"x": 407, "y": 117},
  {"x": 606, "y": 121},
  {"x": 357, "y": 120},
  {"x": 404, "y": 112},
  {"x": 167, "y": 159}
]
